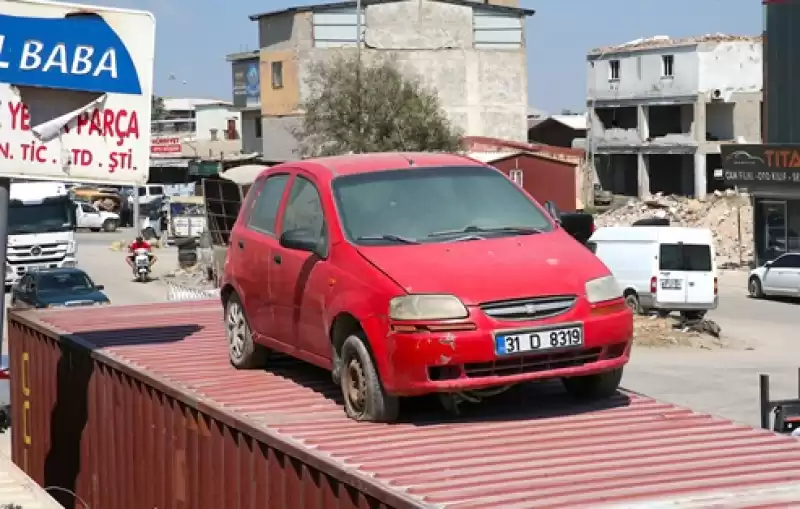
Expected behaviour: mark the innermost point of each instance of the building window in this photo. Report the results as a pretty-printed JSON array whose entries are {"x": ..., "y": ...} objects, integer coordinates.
[
  {"x": 613, "y": 70},
  {"x": 257, "y": 126},
  {"x": 277, "y": 74},
  {"x": 494, "y": 30},
  {"x": 668, "y": 66},
  {"x": 516, "y": 176}
]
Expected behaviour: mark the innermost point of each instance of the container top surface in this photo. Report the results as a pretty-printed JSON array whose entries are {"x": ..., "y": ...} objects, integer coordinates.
[
  {"x": 528, "y": 448},
  {"x": 19, "y": 490}
]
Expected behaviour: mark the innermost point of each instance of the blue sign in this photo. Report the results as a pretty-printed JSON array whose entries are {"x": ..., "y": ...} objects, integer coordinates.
[
  {"x": 78, "y": 52},
  {"x": 253, "y": 83}
]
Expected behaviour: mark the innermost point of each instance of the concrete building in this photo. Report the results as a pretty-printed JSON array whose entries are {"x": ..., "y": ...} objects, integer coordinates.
[
  {"x": 660, "y": 108},
  {"x": 472, "y": 52}
]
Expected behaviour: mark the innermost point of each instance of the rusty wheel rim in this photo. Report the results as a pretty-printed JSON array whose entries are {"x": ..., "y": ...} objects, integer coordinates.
[{"x": 355, "y": 385}]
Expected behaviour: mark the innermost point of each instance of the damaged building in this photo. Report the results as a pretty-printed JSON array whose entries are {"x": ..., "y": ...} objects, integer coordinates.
[
  {"x": 660, "y": 108},
  {"x": 471, "y": 52}
]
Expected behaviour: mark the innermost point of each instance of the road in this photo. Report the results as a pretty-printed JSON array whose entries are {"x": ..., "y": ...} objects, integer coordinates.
[{"x": 725, "y": 383}]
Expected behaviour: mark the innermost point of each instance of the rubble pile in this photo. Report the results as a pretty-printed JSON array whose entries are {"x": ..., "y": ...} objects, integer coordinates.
[
  {"x": 654, "y": 331},
  {"x": 192, "y": 277},
  {"x": 729, "y": 216}
]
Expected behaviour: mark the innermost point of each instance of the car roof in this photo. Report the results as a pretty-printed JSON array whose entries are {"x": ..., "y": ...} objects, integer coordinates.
[
  {"x": 353, "y": 164},
  {"x": 664, "y": 234}
]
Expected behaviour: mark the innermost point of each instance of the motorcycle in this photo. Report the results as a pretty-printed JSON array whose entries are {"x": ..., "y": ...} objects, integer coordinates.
[{"x": 141, "y": 265}]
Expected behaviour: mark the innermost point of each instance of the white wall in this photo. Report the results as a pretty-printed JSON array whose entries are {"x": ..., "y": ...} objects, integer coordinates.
[
  {"x": 731, "y": 67},
  {"x": 216, "y": 117},
  {"x": 641, "y": 74}
]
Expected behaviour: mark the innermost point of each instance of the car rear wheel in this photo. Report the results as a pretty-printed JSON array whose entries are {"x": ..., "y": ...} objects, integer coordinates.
[
  {"x": 243, "y": 352},
  {"x": 364, "y": 396},
  {"x": 754, "y": 288},
  {"x": 594, "y": 387}
]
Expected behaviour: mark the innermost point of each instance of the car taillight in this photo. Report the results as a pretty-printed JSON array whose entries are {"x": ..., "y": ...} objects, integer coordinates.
[
  {"x": 653, "y": 281},
  {"x": 716, "y": 286}
]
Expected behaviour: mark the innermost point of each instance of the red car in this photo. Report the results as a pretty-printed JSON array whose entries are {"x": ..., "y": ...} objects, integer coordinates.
[{"x": 410, "y": 274}]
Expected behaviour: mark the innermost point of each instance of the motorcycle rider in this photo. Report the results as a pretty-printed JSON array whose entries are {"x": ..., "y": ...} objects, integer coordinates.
[{"x": 139, "y": 243}]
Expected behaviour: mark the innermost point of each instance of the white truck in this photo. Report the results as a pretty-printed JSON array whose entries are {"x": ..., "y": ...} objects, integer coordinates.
[
  {"x": 41, "y": 228},
  {"x": 90, "y": 217}
]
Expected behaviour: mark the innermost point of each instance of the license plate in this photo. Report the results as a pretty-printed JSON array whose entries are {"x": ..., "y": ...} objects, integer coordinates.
[
  {"x": 671, "y": 284},
  {"x": 539, "y": 340}
]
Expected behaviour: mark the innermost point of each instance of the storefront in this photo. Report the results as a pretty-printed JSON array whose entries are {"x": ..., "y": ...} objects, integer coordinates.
[{"x": 771, "y": 175}]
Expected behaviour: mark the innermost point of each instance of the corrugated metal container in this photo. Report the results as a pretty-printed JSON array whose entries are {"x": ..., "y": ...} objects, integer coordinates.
[
  {"x": 137, "y": 407},
  {"x": 781, "y": 71},
  {"x": 19, "y": 490}
]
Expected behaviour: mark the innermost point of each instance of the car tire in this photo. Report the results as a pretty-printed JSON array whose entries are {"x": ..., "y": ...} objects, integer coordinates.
[
  {"x": 364, "y": 396},
  {"x": 243, "y": 352},
  {"x": 594, "y": 387},
  {"x": 754, "y": 288},
  {"x": 109, "y": 225}
]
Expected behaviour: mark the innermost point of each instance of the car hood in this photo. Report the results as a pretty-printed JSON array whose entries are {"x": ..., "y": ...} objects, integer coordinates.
[
  {"x": 55, "y": 299},
  {"x": 494, "y": 269}
]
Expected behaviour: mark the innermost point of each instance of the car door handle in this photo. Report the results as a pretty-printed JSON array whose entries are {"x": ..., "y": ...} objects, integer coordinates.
[
  {"x": 277, "y": 259},
  {"x": 241, "y": 244}
]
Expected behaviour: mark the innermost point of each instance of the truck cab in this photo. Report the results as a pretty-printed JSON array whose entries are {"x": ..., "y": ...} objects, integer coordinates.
[{"x": 41, "y": 229}]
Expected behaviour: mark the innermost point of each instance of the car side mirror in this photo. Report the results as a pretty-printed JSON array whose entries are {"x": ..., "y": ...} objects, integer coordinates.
[
  {"x": 300, "y": 240},
  {"x": 99, "y": 287},
  {"x": 768, "y": 264}
]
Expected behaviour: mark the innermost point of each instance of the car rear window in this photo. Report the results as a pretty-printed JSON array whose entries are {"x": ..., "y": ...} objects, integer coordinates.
[{"x": 685, "y": 257}]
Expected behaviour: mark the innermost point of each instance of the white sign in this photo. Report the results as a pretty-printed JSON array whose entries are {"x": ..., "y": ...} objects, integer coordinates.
[{"x": 75, "y": 91}]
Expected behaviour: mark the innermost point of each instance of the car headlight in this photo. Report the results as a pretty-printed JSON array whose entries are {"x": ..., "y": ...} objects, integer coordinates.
[
  {"x": 427, "y": 307},
  {"x": 603, "y": 289}
]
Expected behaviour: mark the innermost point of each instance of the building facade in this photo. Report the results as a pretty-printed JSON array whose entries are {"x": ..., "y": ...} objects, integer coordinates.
[
  {"x": 471, "y": 52},
  {"x": 660, "y": 109}
]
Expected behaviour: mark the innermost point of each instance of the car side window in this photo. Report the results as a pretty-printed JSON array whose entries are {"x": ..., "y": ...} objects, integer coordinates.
[
  {"x": 264, "y": 214},
  {"x": 304, "y": 211},
  {"x": 791, "y": 262},
  {"x": 87, "y": 208},
  {"x": 781, "y": 262}
]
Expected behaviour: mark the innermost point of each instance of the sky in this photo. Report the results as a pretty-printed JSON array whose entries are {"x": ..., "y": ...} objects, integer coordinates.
[{"x": 193, "y": 37}]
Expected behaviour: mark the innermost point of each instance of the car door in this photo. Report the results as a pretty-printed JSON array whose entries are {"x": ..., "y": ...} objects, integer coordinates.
[
  {"x": 252, "y": 248},
  {"x": 781, "y": 277},
  {"x": 91, "y": 216},
  {"x": 699, "y": 267},
  {"x": 671, "y": 279},
  {"x": 302, "y": 278}
]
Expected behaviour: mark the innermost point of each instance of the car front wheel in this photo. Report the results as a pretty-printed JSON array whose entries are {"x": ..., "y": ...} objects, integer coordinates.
[
  {"x": 754, "y": 288},
  {"x": 594, "y": 387},
  {"x": 364, "y": 396},
  {"x": 243, "y": 352}
]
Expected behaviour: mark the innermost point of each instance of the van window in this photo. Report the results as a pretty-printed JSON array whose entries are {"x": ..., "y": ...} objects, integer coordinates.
[
  {"x": 685, "y": 257},
  {"x": 156, "y": 190}
]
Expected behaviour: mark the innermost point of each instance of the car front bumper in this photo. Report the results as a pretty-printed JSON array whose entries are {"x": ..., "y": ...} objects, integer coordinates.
[{"x": 452, "y": 360}]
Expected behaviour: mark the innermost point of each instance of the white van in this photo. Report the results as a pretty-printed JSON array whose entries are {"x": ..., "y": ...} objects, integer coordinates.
[{"x": 661, "y": 268}]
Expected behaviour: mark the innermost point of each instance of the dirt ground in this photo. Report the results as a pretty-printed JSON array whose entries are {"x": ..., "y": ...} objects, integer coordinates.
[{"x": 656, "y": 332}]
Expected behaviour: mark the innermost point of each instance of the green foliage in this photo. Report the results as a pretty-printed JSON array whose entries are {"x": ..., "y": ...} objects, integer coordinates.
[
  {"x": 371, "y": 107},
  {"x": 157, "y": 111}
]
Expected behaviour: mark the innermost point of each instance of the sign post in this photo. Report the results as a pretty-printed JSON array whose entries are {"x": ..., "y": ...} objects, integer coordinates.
[{"x": 75, "y": 99}]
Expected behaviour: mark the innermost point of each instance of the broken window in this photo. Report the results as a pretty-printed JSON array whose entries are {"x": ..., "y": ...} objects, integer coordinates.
[
  {"x": 618, "y": 118},
  {"x": 719, "y": 121},
  {"x": 667, "y": 120},
  {"x": 277, "y": 74},
  {"x": 668, "y": 66},
  {"x": 613, "y": 67}
]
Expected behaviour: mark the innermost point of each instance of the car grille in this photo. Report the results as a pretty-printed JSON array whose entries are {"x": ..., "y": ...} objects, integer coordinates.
[
  {"x": 40, "y": 253},
  {"x": 533, "y": 363},
  {"x": 529, "y": 309}
]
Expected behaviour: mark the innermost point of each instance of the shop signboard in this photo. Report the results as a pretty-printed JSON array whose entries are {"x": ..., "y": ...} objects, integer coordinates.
[
  {"x": 75, "y": 91},
  {"x": 757, "y": 167},
  {"x": 165, "y": 146},
  {"x": 246, "y": 84}
]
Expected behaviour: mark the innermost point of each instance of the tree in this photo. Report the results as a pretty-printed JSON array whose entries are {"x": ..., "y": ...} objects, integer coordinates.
[
  {"x": 357, "y": 107},
  {"x": 157, "y": 110}
]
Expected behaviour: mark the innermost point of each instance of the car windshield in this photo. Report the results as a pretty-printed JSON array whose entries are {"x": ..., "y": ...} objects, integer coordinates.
[
  {"x": 442, "y": 204},
  {"x": 68, "y": 281},
  {"x": 49, "y": 216}
]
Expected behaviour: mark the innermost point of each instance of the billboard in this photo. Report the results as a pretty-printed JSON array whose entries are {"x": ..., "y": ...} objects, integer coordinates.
[
  {"x": 761, "y": 166},
  {"x": 75, "y": 91},
  {"x": 246, "y": 83}
]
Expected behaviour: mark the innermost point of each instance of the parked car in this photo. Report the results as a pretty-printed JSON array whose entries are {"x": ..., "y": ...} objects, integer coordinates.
[
  {"x": 661, "y": 268},
  {"x": 89, "y": 216},
  {"x": 779, "y": 277},
  {"x": 410, "y": 274},
  {"x": 49, "y": 288}
]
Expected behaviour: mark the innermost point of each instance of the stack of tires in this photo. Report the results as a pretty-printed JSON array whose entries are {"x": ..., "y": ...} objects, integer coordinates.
[{"x": 187, "y": 252}]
